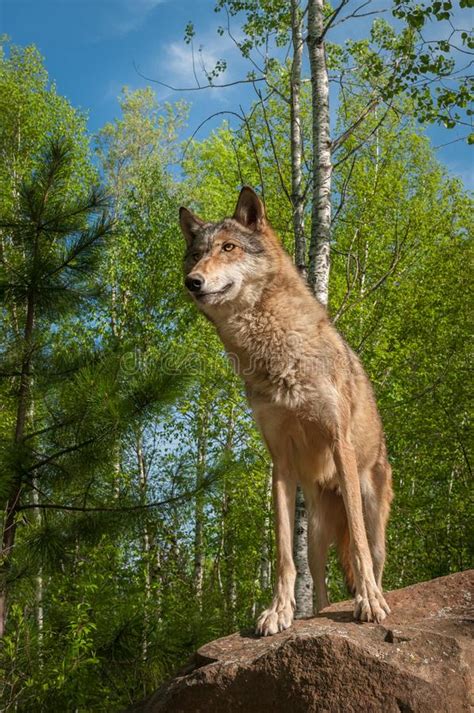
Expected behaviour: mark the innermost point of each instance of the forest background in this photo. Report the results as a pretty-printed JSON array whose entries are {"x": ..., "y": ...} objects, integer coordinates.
[{"x": 135, "y": 489}]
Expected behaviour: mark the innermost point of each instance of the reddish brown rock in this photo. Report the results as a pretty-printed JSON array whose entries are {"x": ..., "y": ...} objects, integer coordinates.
[{"x": 419, "y": 660}]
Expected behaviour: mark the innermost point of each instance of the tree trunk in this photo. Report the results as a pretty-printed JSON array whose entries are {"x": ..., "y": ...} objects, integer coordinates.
[
  {"x": 145, "y": 547},
  {"x": 297, "y": 196},
  {"x": 265, "y": 573},
  {"x": 39, "y": 578},
  {"x": 199, "y": 510},
  {"x": 304, "y": 582},
  {"x": 229, "y": 559},
  {"x": 39, "y": 584},
  {"x": 228, "y": 538},
  {"x": 13, "y": 502},
  {"x": 319, "y": 249}
]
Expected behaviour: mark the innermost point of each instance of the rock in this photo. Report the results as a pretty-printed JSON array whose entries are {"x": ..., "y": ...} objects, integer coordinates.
[{"x": 418, "y": 660}]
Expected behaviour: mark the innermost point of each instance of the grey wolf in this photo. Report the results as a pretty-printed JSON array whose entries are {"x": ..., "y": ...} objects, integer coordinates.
[{"x": 311, "y": 400}]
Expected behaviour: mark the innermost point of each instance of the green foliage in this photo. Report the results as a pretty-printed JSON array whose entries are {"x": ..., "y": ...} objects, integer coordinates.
[
  {"x": 262, "y": 17},
  {"x": 447, "y": 101},
  {"x": 33, "y": 115},
  {"x": 396, "y": 61}
]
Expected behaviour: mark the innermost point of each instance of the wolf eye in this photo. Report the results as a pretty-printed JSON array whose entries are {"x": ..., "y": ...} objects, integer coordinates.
[
  {"x": 195, "y": 256},
  {"x": 228, "y": 247}
]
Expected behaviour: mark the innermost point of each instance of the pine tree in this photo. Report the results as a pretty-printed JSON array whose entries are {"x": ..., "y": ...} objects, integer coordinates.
[{"x": 51, "y": 241}]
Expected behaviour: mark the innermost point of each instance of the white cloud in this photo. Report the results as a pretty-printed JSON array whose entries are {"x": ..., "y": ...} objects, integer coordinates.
[
  {"x": 182, "y": 65},
  {"x": 129, "y": 15},
  {"x": 185, "y": 66}
]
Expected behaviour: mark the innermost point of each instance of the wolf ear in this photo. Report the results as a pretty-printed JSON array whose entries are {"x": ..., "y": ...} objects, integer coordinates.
[
  {"x": 189, "y": 223},
  {"x": 249, "y": 210}
]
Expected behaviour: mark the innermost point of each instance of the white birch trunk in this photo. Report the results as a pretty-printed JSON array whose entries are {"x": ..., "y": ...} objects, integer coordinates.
[
  {"x": 228, "y": 537},
  {"x": 319, "y": 249},
  {"x": 304, "y": 582},
  {"x": 199, "y": 512},
  {"x": 265, "y": 573},
  {"x": 39, "y": 576},
  {"x": 39, "y": 584},
  {"x": 146, "y": 547}
]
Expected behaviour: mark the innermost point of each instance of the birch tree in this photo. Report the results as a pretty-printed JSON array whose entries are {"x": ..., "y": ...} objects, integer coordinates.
[
  {"x": 296, "y": 129},
  {"x": 303, "y": 582},
  {"x": 319, "y": 250}
]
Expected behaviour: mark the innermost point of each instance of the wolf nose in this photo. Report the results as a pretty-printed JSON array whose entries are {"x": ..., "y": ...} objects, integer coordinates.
[{"x": 194, "y": 283}]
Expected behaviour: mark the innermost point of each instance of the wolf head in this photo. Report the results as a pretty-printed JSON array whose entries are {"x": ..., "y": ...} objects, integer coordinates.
[{"x": 229, "y": 262}]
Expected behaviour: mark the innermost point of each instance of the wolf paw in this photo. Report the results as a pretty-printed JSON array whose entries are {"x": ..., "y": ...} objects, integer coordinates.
[
  {"x": 274, "y": 619},
  {"x": 371, "y": 605}
]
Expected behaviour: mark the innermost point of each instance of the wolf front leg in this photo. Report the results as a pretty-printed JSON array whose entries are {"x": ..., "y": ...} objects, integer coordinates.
[
  {"x": 370, "y": 604},
  {"x": 279, "y": 614}
]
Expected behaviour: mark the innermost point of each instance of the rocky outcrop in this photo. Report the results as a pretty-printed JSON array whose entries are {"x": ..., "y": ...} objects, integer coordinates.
[{"x": 419, "y": 660}]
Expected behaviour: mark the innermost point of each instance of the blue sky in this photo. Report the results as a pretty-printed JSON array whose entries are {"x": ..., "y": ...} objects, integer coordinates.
[{"x": 91, "y": 47}]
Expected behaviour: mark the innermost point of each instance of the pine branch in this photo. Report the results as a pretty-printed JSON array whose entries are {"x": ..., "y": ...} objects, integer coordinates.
[{"x": 188, "y": 495}]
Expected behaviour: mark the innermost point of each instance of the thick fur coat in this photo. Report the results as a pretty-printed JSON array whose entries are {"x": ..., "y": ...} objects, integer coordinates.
[{"x": 310, "y": 397}]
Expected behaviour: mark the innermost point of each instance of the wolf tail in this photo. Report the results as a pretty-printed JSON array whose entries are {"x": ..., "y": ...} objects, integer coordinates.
[{"x": 344, "y": 551}]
